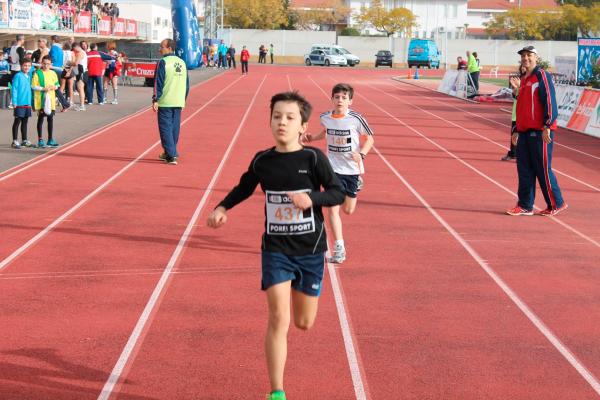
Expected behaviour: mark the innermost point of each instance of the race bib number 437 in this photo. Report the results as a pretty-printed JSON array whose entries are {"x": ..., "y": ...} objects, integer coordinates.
[{"x": 283, "y": 218}]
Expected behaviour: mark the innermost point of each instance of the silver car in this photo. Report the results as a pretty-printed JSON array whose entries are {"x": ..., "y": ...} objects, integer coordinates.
[{"x": 324, "y": 57}]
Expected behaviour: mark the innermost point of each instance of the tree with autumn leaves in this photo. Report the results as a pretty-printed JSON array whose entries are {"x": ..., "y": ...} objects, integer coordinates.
[
  {"x": 566, "y": 23},
  {"x": 275, "y": 14}
]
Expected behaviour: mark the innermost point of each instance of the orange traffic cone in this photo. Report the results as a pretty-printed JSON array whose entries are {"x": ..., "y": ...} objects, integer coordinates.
[{"x": 409, "y": 76}]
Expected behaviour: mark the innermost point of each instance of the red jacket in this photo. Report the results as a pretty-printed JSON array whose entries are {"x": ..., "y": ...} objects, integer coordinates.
[
  {"x": 536, "y": 104},
  {"x": 244, "y": 55},
  {"x": 95, "y": 63}
]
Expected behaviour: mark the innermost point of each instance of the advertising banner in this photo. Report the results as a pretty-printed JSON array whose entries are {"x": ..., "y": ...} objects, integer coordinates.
[
  {"x": 3, "y": 13},
  {"x": 119, "y": 27},
  {"x": 566, "y": 68},
  {"x": 104, "y": 26},
  {"x": 142, "y": 69},
  {"x": 588, "y": 50},
  {"x": 83, "y": 23},
  {"x": 593, "y": 127},
  {"x": 567, "y": 97},
  {"x": 454, "y": 83},
  {"x": 20, "y": 14},
  {"x": 581, "y": 116},
  {"x": 130, "y": 27}
]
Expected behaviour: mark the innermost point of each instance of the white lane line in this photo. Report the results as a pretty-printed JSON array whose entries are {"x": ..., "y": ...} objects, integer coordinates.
[
  {"x": 64, "y": 216},
  {"x": 354, "y": 363},
  {"x": 500, "y": 123},
  {"x": 478, "y": 172},
  {"x": 478, "y": 135},
  {"x": 115, "y": 375},
  {"x": 48, "y": 155},
  {"x": 355, "y": 367},
  {"x": 535, "y": 320}
]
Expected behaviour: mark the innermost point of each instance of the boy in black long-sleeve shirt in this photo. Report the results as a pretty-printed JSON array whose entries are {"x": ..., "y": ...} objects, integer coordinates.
[{"x": 294, "y": 242}]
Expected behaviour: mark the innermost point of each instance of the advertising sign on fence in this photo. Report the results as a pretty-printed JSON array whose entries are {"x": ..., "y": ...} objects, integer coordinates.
[
  {"x": 3, "y": 13},
  {"x": 20, "y": 14},
  {"x": 143, "y": 70},
  {"x": 104, "y": 26},
  {"x": 588, "y": 50},
  {"x": 130, "y": 27},
  {"x": 567, "y": 97},
  {"x": 593, "y": 127},
  {"x": 581, "y": 117},
  {"x": 83, "y": 23},
  {"x": 566, "y": 67},
  {"x": 119, "y": 27}
]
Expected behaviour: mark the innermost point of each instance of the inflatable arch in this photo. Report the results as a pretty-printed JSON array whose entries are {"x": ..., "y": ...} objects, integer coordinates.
[{"x": 186, "y": 32}]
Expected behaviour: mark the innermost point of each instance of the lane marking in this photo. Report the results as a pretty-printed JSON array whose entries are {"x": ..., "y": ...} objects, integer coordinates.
[
  {"x": 64, "y": 216},
  {"x": 478, "y": 135},
  {"x": 354, "y": 363},
  {"x": 140, "y": 326},
  {"x": 499, "y": 123},
  {"x": 535, "y": 320},
  {"x": 49, "y": 154}
]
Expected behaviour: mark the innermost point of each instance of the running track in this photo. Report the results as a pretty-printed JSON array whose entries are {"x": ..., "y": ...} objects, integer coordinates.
[{"x": 112, "y": 287}]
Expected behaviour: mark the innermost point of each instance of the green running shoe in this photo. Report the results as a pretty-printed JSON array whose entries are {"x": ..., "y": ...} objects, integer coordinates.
[{"x": 276, "y": 395}]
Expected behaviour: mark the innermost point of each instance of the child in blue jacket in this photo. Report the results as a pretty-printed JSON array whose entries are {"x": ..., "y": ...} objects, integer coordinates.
[{"x": 21, "y": 99}]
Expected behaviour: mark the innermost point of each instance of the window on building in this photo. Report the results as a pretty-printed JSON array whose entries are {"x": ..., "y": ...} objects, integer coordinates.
[
  {"x": 157, "y": 21},
  {"x": 154, "y": 34},
  {"x": 454, "y": 10}
]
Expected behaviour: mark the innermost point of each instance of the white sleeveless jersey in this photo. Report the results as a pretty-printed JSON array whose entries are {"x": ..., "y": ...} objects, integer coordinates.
[
  {"x": 343, "y": 138},
  {"x": 15, "y": 64},
  {"x": 83, "y": 61}
]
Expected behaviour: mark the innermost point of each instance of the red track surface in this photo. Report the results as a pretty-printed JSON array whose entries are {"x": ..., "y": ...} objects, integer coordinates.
[{"x": 446, "y": 297}]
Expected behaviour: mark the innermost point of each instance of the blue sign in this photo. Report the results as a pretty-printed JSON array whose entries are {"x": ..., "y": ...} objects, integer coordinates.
[{"x": 588, "y": 55}]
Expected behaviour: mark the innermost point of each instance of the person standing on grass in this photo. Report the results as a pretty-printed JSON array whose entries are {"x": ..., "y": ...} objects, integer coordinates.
[
  {"x": 20, "y": 92},
  {"x": 171, "y": 88},
  {"x": 294, "y": 242},
  {"x": 343, "y": 128},
  {"x": 536, "y": 121},
  {"x": 44, "y": 84},
  {"x": 244, "y": 57}
]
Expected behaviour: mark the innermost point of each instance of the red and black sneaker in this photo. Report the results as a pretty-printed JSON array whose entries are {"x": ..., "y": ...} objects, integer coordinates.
[
  {"x": 518, "y": 210},
  {"x": 553, "y": 211}
]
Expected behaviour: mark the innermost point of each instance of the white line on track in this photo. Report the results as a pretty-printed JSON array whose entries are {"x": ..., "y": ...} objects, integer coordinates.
[
  {"x": 353, "y": 360},
  {"x": 535, "y": 320},
  {"x": 497, "y": 122},
  {"x": 82, "y": 139},
  {"x": 64, "y": 216},
  {"x": 115, "y": 375},
  {"x": 480, "y": 173},
  {"x": 477, "y": 134}
]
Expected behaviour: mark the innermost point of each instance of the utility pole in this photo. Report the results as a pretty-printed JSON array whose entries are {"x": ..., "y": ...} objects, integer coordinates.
[{"x": 210, "y": 19}]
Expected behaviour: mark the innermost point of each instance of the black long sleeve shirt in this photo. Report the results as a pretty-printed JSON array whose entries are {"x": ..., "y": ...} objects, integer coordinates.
[{"x": 289, "y": 230}]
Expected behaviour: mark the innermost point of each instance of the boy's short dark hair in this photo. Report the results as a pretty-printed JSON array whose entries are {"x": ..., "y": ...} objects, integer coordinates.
[
  {"x": 25, "y": 60},
  {"x": 343, "y": 88},
  {"x": 293, "y": 97},
  {"x": 47, "y": 58}
]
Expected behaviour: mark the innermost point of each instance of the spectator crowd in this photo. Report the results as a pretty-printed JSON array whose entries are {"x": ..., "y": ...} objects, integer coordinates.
[{"x": 55, "y": 73}]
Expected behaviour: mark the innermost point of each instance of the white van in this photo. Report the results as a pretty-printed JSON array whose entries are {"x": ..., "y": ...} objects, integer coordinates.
[{"x": 351, "y": 59}]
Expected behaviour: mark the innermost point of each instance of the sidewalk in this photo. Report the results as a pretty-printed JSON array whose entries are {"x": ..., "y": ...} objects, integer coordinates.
[{"x": 71, "y": 125}]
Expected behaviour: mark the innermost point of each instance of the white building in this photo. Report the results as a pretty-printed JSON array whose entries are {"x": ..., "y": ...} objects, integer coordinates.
[
  {"x": 156, "y": 12},
  {"x": 435, "y": 18}
]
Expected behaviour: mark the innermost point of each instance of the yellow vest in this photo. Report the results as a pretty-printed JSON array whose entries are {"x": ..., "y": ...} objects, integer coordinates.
[
  {"x": 173, "y": 93},
  {"x": 50, "y": 79}
]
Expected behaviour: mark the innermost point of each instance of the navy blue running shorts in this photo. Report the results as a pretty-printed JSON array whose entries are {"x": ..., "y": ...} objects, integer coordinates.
[
  {"x": 305, "y": 272},
  {"x": 350, "y": 184},
  {"x": 22, "y": 112}
]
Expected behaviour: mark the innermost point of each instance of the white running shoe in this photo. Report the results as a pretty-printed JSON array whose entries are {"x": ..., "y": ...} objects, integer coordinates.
[
  {"x": 26, "y": 143},
  {"x": 115, "y": 101}
]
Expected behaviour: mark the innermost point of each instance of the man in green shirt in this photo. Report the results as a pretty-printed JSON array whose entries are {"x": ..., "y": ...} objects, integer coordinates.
[
  {"x": 171, "y": 88},
  {"x": 473, "y": 69}
]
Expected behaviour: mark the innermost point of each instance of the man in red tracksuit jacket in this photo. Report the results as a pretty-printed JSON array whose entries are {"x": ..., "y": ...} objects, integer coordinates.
[
  {"x": 536, "y": 121},
  {"x": 95, "y": 66}
]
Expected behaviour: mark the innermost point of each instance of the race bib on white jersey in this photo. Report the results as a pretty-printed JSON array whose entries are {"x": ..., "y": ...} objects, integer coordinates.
[{"x": 283, "y": 218}]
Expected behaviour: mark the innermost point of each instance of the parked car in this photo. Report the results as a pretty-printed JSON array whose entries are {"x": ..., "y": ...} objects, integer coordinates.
[
  {"x": 351, "y": 59},
  {"x": 423, "y": 53},
  {"x": 324, "y": 57},
  {"x": 384, "y": 57}
]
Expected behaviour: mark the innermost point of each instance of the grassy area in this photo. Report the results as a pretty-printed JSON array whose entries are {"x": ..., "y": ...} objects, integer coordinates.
[{"x": 495, "y": 81}]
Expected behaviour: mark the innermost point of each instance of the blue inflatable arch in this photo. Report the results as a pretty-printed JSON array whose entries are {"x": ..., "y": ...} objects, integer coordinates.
[{"x": 186, "y": 32}]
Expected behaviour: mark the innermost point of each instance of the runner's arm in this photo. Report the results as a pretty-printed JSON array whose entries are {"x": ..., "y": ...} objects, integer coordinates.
[
  {"x": 333, "y": 194},
  {"x": 243, "y": 190}
]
